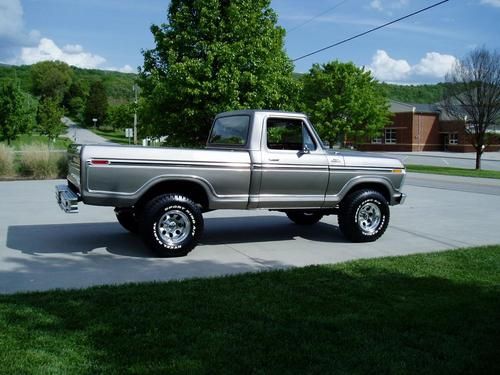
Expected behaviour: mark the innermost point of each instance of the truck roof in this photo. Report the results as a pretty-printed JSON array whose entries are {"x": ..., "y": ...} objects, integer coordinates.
[{"x": 252, "y": 112}]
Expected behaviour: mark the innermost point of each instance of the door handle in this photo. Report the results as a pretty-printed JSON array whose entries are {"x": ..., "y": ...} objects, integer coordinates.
[{"x": 274, "y": 159}]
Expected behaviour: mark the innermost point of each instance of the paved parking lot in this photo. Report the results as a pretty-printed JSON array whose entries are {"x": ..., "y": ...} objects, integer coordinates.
[{"x": 43, "y": 248}]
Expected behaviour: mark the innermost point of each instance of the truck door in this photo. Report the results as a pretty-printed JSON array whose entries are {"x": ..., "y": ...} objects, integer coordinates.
[{"x": 294, "y": 166}]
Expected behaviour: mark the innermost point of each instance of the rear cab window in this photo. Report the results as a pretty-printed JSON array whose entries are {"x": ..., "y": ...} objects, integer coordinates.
[{"x": 231, "y": 131}]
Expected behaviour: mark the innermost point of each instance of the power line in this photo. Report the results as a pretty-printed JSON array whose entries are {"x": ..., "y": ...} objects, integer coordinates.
[
  {"x": 369, "y": 31},
  {"x": 317, "y": 16}
]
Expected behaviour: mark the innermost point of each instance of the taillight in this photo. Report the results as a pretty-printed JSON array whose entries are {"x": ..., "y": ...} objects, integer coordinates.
[{"x": 99, "y": 162}]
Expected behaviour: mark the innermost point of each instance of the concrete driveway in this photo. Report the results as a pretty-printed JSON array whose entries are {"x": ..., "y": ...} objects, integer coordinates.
[{"x": 43, "y": 248}]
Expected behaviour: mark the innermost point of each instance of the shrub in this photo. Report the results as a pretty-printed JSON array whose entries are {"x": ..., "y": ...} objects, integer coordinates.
[
  {"x": 6, "y": 161},
  {"x": 39, "y": 162}
]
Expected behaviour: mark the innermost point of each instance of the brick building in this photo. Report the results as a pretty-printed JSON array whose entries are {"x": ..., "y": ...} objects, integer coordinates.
[{"x": 423, "y": 127}]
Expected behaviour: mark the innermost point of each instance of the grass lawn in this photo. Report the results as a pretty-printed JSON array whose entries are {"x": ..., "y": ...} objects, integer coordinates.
[
  {"x": 30, "y": 139},
  {"x": 116, "y": 136},
  {"x": 452, "y": 171},
  {"x": 433, "y": 314}
]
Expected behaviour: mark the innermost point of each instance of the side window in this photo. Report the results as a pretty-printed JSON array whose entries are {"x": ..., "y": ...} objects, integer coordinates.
[
  {"x": 231, "y": 131},
  {"x": 288, "y": 134}
]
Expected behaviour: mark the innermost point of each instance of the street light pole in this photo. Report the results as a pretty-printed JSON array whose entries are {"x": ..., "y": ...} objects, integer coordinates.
[{"x": 135, "y": 88}]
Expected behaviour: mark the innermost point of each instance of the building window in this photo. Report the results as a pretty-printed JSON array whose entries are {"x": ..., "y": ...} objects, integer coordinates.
[
  {"x": 453, "y": 139},
  {"x": 390, "y": 136},
  {"x": 377, "y": 140}
]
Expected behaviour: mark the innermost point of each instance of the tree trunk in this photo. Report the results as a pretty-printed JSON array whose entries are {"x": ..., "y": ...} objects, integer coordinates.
[{"x": 478, "y": 159}]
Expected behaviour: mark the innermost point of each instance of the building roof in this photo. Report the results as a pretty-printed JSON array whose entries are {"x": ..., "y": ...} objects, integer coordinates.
[{"x": 400, "y": 107}]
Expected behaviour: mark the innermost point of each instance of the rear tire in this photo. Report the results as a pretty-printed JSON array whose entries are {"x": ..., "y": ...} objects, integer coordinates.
[
  {"x": 126, "y": 217},
  {"x": 171, "y": 225},
  {"x": 364, "y": 216},
  {"x": 304, "y": 217}
]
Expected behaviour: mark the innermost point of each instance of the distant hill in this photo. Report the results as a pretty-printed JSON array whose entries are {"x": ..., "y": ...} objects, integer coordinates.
[
  {"x": 118, "y": 85},
  {"x": 424, "y": 94}
]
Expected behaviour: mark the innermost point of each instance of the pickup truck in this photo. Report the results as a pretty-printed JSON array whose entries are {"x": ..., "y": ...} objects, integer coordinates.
[{"x": 253, "y": 159}]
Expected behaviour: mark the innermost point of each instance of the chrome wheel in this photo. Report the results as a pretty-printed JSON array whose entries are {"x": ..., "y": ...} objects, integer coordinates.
[
  {"x": 174, "y": 227},
  {"x": 369, "y": 217}
]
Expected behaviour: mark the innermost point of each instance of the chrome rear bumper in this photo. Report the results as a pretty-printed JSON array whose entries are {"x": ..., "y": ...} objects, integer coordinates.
[{"x": 67, "y": 199}]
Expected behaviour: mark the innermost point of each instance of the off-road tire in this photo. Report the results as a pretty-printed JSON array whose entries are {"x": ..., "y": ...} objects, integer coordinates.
[
  {"x": 304, "y": 217},
  {"x": 171, "y": 225},
  {"x": 127, "y": 219},
  {"x": 363, "y": 216}
]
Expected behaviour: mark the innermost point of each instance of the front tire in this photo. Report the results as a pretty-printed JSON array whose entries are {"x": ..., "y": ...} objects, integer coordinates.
[
  {"x": 304, "y": 217},
  {"x": 171, "y": 225},
  {"x": 364, "y": 216}
]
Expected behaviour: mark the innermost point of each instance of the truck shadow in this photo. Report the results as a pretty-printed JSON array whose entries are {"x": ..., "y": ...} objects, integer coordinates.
[{"x": 86, "y": 237}]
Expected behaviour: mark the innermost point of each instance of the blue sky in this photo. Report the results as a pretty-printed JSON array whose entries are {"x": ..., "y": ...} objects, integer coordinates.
[{"x": 109, "y": 34}]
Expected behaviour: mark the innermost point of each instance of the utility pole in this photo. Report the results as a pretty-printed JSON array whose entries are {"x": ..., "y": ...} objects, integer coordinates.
[{"x": 135, "y": 88}]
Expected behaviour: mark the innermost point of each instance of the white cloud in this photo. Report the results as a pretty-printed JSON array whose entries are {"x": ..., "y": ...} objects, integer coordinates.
[
  {"x": 12, "y": 30},
  {"x": 433, "y": 65},
  {"x": 124, "y": 69},
  {"x": 386, "y": 68},
  {"x": 11, "y": 18},
  {"x": 20, "y": 46},
  {"x": 72, "y": 48},
  {"x": 387, "y": 5},
  {"x": 71, "y": 54},
  {"x": 495, "y": 3},
  {"x": 377, "y": 4}
]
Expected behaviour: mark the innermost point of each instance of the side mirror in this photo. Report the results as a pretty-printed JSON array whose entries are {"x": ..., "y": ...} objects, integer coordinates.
[{"x": 306, "y": 150}]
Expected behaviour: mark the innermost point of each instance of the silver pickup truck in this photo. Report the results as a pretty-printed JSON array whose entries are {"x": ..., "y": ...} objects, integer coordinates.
[{"x": 253, "y": 160}]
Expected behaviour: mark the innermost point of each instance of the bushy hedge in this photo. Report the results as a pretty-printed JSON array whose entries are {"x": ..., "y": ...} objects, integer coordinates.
[
  {"x": 33, "y": 161},
  {"x": 6, "y": 161}
]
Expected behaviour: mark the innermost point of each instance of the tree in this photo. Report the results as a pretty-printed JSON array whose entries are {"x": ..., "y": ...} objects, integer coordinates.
[
  {"x": 17, "y": 111},
  {"x": 51, "y": 79},
  {"x": 344, "y": 100},
  {"x": 474, "y": 95},
  {"x": 121, "y": 116},
  {"x": 49, "y": 118},
  {"x": 213, "y": 56},
  {"x": 97, "y": 104},
  {"x": 74, "y": 98}
]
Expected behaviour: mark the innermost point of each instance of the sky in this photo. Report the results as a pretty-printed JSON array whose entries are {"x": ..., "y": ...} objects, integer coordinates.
[{"x": 110, "y": 34}]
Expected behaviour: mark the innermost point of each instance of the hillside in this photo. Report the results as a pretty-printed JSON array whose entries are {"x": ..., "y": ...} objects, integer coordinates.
[
  {"x": 118, "y": 85},
  {"x": 414, "y": 93}
]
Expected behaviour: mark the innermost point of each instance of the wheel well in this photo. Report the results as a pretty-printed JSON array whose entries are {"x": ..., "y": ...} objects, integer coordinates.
[
  {"x": 189, "y": 189},
  {"x": 381, "y": 188}
]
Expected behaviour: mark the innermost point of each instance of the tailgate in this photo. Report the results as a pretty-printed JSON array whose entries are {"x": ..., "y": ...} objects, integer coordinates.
[{"x": 74, "y": 165}]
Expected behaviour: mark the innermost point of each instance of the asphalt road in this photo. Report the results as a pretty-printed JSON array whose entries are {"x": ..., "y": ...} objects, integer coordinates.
[
  {"x": 43, "y": 248},
  {"x": 80, "y": 135}
]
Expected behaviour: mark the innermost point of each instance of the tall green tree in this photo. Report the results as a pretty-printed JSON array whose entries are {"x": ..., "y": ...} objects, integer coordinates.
[
  {"x": 17, "y": 111},
  {"x": 51, "y": 79},
  {"x": 213, "y": 56},
  {"x": 74, "y": 99},
  {"x": 344, "y": 102},
  {"x": 121, "y": 116},
  {"x": 49, "y": 118},
  {"x": 97, "y": 104}
]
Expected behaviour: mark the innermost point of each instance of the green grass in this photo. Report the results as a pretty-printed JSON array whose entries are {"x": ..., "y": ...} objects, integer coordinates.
[
  {"x": 116, "y": 136},
  {"x": 61, "y": 143},
  {"x": 436, "y": 313},
  {"x": 453, "y": 171}
]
